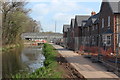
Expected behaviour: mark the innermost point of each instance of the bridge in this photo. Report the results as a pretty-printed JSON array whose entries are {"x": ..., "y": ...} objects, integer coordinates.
[{"x": 42, "y": 36}]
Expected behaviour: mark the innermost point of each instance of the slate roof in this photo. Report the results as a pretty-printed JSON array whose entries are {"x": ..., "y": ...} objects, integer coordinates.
[
  {"x": 84, "y": 22},
  {"x": 65, "y": 28},
  {"x": 109, "y": 31},
  {"x": 115, "y": 6},
  {"x": 80, "y": 18},
  {"x": 72, "y": 23},
  {"x": 92, "y": 20}
]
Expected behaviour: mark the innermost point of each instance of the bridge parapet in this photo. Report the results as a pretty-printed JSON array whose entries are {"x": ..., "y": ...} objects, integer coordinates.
[{"x": 42, "y": 36}]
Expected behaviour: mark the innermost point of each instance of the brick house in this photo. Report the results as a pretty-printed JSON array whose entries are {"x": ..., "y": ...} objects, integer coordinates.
[
  {"x": 65, "y": 35},
  {"x": 98, "y": 35},
  {"x": 82, "y": 39},
  {"x": 90, "y": 32},
  {"x": 71, "y": 35},
  {"x": 78, "y": 30},
  {"x": 96, "y": 31},
  {"x": 109, "y": 25}
]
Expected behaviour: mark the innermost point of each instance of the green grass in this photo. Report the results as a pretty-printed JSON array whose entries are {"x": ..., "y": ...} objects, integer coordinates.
[{"x": 50, "y": 69}]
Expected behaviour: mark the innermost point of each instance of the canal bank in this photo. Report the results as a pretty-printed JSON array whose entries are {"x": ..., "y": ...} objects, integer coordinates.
[
  {"x": 51, "y": 68},
  {"x": 21, "y": 60},
  {"x": 55, "y": 66}
]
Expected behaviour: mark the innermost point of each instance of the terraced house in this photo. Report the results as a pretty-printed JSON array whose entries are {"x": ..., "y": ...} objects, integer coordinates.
[
  {"x": 109, "y": 26},
  {"x": 71, "y": 35},
  {"x": 90, "y": 33},
  {"x": 98, "y": 34},
  {"x": 78, "y": 30},
  {"x": 98, "y": 31},
  {"x": 65, "y": 33}
]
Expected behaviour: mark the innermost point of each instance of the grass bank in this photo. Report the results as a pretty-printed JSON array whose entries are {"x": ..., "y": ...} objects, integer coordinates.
[{"x": 50, "y": 69}]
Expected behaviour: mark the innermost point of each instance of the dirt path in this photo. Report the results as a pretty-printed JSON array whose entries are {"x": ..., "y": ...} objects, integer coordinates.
[{"x": 82, "y": 66}]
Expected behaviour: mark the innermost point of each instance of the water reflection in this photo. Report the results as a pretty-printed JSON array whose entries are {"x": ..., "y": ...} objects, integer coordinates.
[
  {"x": 32, "y": 57},
  {"x": 22, "y": 59}
]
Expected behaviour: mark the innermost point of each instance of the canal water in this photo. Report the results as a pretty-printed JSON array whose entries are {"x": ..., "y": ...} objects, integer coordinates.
[{"x": 26, "y": 59}]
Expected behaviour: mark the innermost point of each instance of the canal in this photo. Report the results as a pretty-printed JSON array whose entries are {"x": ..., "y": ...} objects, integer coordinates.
[{"x": 20, "y": 60}]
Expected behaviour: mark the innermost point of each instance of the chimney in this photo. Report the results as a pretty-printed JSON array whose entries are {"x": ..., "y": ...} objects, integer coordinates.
[{"x": 93, "y": 13}]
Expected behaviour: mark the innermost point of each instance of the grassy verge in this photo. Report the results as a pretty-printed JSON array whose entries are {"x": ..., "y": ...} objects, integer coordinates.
[{"x": 50, "y": 69}]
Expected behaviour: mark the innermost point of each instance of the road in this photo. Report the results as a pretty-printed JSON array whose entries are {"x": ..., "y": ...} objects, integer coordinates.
[{"x": 85, "y": 66}]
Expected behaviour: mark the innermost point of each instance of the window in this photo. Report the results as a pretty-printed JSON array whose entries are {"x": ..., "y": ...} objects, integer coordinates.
[
  {"x": 102, "y": 22},
  {"x": 96, "y": 27},
  {"x": 93, "y": 27},
  {"x": 93, "y": 40},
  {"x": 106, "y": 40},
  {"x": 108, "y": 21}
]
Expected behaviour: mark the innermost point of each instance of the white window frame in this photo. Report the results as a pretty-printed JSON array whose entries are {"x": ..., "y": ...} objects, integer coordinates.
[
  {"x": 102, "y": 22},
  {"x": 106, "y": 40},
  {"x": 108, "y": 21}
]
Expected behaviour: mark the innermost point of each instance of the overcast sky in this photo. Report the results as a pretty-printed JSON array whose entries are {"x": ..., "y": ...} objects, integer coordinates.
[{"x": 61, "y": 11}]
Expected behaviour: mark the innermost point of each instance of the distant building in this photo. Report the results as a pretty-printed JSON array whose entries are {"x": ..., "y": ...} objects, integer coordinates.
[
  {"x": 71, "y": 39},
  {"x": 65, "y": 35},
  {"x": 49, "y": 37}
]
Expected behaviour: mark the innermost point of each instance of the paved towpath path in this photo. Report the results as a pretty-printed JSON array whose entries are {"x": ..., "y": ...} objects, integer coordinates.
[{"x": 84, "y": 66}]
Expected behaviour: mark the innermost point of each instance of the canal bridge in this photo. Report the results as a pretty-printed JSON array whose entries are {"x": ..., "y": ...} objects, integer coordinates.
[{"x": 42, "y": 36}]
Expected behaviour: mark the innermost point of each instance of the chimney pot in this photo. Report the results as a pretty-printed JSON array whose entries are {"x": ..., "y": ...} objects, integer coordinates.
[{"x": 93, "y": 13}]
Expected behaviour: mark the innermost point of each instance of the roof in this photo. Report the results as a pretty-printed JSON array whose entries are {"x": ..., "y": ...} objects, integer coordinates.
[
  {"x": 84, "y": 22},
  {"x": 65, "y": 28},
  {"x": 109, "y": 31},
  {"x": 72, "y": 23},
  {"x": 115, "y": 6},
  {"x": 92, "y": 20},
  {"x": 80, "y": 18}
]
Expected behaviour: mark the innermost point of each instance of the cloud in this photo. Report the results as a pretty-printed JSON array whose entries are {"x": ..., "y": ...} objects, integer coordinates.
[
  {"x": 41, "y": 9},
  {"x": 57, "y": 10},
  {"x": 64, "y": 0},
  {"x": 61, "y": 17}
]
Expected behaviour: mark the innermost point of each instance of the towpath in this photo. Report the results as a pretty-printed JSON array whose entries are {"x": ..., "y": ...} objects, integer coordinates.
[{"x": 84, "y": 66}]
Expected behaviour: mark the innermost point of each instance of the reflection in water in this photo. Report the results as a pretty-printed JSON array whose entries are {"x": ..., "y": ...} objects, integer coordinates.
[
  {"x": 32, "y": 57},
  {"x": 26, "y": 59}
]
